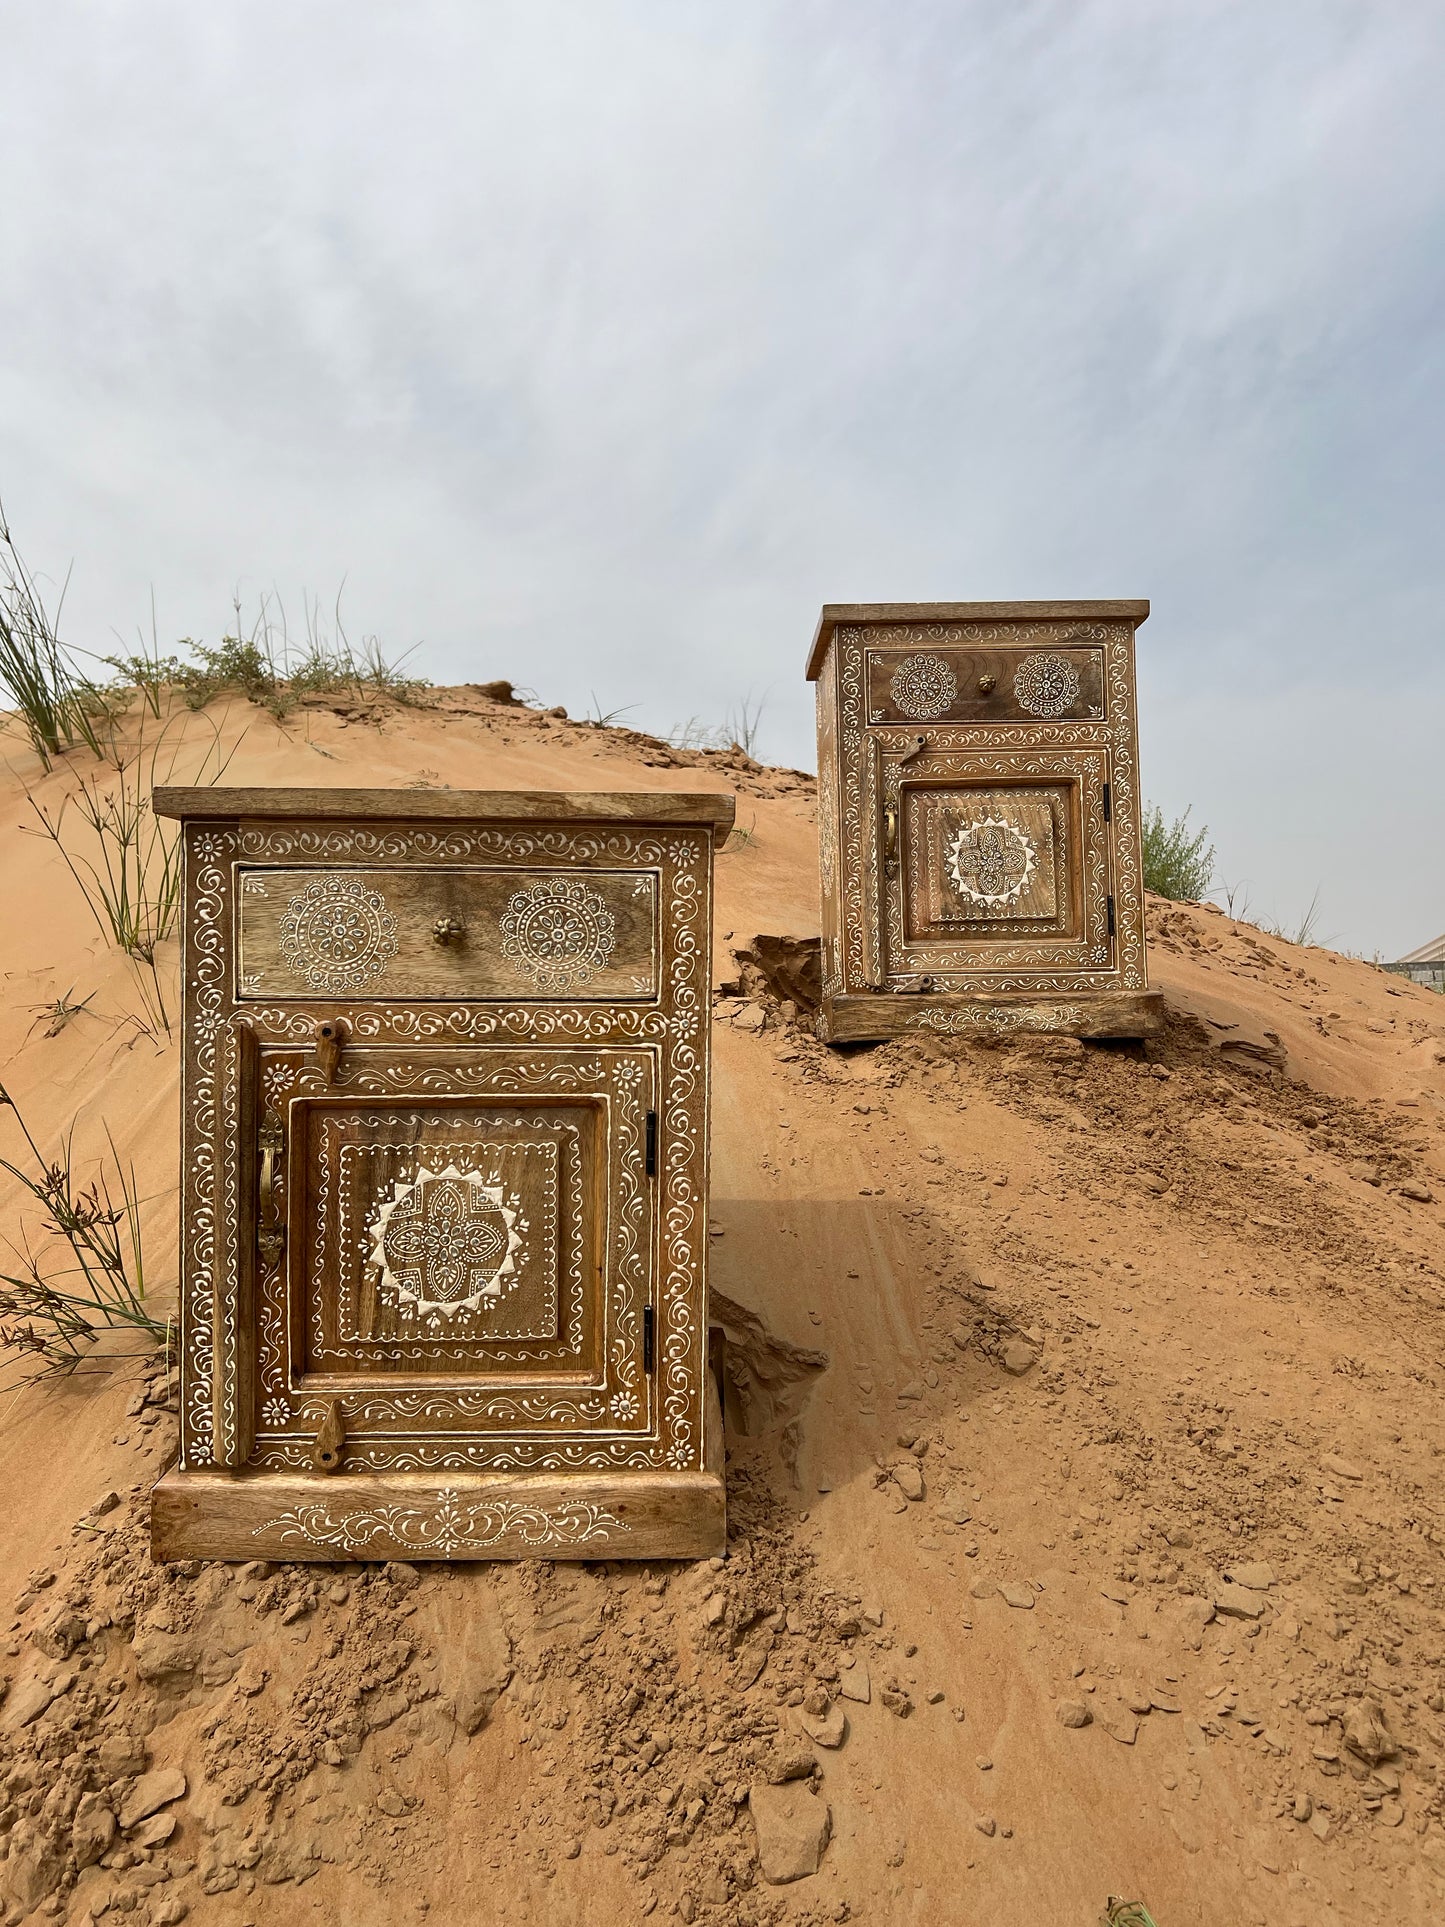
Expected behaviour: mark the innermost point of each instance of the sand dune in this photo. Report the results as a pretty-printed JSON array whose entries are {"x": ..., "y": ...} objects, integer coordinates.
[{"x": 1084, "y": 1474}]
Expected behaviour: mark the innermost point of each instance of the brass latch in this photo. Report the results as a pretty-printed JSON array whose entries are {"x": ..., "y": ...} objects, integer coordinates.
[
  {"x": 330, "y": 1035},
  {"x": 890, "y": 835},
  {"x": 270, "y": 1234}
]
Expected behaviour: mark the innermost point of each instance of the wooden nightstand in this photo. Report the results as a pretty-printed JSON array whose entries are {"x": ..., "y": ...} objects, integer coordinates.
[
  {"x": 444, "y": 1177},
  {"x": 978, "y": 811}
]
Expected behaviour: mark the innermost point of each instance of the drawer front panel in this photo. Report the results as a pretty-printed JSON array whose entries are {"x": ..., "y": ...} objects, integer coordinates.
[
  {"x": 1061, "y": 683},
  {"x": 458, "y": 932}
]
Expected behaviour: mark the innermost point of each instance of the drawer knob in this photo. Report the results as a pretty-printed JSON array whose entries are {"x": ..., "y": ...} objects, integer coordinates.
[
  {"x": 987, "y": 685},
  {"x": 448, "y": 930}
]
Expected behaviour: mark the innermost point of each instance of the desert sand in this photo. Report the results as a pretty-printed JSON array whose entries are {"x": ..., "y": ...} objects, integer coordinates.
[{"x": 1084, "y": 1472}]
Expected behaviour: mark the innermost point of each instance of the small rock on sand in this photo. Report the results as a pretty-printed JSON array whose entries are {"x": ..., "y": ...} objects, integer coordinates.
[
  {"x": 1256, "y": 1574},
  {"x": 1339, "y": 1468},
  {"x": 1073, "y": 1713},
  {"x": 854, "y": 1684},
  {"x": 908, "y": 1477},
  {"x": 792, "y": 1827},
  {"x": 1238, "y": 1602},
  {"x": 1018, "y": 1595},
  {"x": 151, "y": 1792},
  {"x": 828, "y": 1729},
  {"x": 1366, "y": 1734},
  {"x": 1017, "y": 1357}
]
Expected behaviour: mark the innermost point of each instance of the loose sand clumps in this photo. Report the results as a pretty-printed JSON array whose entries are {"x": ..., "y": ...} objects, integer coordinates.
[{"x": 1085, "y": 1444}]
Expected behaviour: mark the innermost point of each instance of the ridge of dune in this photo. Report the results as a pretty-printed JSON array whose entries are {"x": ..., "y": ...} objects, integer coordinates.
[{"x": 1086, "y": 1534}]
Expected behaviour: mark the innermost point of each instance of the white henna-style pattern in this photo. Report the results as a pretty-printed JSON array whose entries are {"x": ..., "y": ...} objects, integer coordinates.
[
  {"x": 1046, "y": 685},
  {"x": 995, "y": 1018},
  {"x": 446, "y": 1240},
  {"x": 991, "y": 861},
  {"x": 445, "y": 1527},
  {"x": 561, "y": 933},
  {"x": 923, "y": 686},
  {"x": 338, "y": 934}
]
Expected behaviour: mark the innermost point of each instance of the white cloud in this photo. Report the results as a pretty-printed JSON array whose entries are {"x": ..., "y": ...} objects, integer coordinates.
[{"x": 599, "y": 345}]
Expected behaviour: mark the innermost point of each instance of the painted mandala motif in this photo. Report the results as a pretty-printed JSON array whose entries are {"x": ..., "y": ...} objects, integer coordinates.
[
  {"x": 561, "y": 933},
  {"x": 991, "y": 861},
  {"x": 446, "y": 1241},
  {"x": 338, "y": 934},
  {"x": 923, "y": 686},
  {"x": 1046, "y": 685}
]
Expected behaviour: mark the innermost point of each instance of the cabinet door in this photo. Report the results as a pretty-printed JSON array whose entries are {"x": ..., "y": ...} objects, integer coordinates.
[
  {"x": 454, "y": 1254},
  {"x": 995, "y": 864}
]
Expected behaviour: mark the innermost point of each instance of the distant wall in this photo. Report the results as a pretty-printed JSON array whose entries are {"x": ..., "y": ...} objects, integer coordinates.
[{"x": 1431, "y": 975}]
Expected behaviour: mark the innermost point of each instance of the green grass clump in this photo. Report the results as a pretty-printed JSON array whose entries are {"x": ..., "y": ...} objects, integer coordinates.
[
  {"x": 52, "y": 1315},
  {"x": 59, "y": 706},
  {"x": 1177, "y": 864}
]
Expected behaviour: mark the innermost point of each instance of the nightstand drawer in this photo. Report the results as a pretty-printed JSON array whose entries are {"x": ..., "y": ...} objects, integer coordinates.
[
  {"x": 453, "y": 932},
  {"x": 946, "y": 684}
]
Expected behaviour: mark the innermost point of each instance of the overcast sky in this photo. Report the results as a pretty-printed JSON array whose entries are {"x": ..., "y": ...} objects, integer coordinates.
[{"x": 596, "y": 345}]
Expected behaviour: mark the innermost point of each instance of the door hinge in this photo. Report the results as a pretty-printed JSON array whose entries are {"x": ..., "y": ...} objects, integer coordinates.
[
  {"x": 1108, "y": 802},
  {"x": 1111, "y": 916},
  {"x": 647, "y": 1343},
  {"x": 652, "y": 1144}
]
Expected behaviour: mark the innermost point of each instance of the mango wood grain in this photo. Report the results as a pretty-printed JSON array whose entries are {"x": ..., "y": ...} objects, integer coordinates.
[
  {"x": 850, "y": 1020},
  {"x": 464, "y": 1515},
  {"x": 834, "y": 613},
  {"x": 474, "y": 806}
]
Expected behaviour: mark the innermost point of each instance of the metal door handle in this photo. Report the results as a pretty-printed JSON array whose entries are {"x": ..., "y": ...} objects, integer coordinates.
[
  {"x": 890, "y": 832},
  {"x": 271, "y": 1138}
]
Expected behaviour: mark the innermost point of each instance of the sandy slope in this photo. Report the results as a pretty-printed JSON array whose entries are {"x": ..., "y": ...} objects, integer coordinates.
[{"x": 1229, "y": 1322}]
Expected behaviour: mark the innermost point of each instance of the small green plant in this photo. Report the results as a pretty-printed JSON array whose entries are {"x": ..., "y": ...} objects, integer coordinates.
[
  {"x": 741, "y": 724},
  {"x": 146, "y": 670},
  {"x": 261, "y": 663},
  {"x": 740, "y": 836},
  {"x": 53, "y": 1316},
  {"x": 607, "y": 718},
  {"x": 737, "y": 730},
  {"x": 123, "y": 858},
  {"x": 1177, "y": 863},
  {"x": 58, "y": 706},
  {"x": 1302, "y": 932}
]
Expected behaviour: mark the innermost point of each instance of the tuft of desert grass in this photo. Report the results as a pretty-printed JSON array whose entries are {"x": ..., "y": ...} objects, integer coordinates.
[{"x": 57, "y": 1307}]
